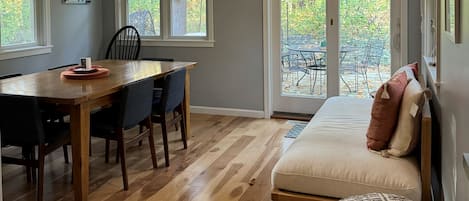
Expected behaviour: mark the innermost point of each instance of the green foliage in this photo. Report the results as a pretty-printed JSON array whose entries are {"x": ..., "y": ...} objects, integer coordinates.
[
  {"x": 16, "y": 22},
  {"x": 153, "y": 6},
  {"x": 195, "y": 13},
  {"x": 361, "y": 22}
]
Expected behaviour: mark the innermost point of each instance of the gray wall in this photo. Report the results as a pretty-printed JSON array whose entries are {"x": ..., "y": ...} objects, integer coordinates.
[
  {"x": 454, "y": 100},
  {"x": 229, "y": 75},
  {"x": 76, "y": 32},
  {"x": 414, "y": 33}
]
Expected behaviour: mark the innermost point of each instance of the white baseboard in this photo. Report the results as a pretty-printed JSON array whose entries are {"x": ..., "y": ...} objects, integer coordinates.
[{"x": 227, "y": 111}]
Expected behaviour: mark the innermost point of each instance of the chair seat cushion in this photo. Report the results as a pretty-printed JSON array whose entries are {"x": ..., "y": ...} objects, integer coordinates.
[
  {"x": 330, "y": 157},
  {"x": 56, "y": 132},
  {"x": 103, "y": 123}
]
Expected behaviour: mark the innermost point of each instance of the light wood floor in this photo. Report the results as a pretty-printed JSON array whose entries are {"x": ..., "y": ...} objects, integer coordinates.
[{"x": 229, "y": 158}]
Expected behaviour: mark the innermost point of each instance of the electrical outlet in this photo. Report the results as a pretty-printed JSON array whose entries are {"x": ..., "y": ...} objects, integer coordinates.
[{"x": 76, "y": 1}]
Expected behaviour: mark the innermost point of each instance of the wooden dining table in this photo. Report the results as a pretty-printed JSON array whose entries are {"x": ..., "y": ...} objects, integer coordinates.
[{"x": 79, "y": 97}]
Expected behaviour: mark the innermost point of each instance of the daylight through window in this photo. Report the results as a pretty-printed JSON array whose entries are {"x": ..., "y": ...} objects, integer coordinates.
[{"x": 169, "y": 22}]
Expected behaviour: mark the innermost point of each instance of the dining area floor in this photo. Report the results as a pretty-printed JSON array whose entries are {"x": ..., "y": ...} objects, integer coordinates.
[{"x": 228, "y": 158}]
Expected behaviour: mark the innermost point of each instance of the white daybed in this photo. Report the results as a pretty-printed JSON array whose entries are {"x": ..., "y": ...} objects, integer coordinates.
[{"x": 329, "y": 160}]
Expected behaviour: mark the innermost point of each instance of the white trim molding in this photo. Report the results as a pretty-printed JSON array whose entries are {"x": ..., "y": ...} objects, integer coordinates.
[
  {"x": 178, "y": 43},
  {"x": 227, "y": 111},
  {"x": 24, "y": 52},
  {"x": 267, "y": 35}
]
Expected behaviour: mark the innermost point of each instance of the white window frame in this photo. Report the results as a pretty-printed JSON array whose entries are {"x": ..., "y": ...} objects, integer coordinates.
[
  {"x": 43, "y": 43},
  {"x": 165, "y": 39}
]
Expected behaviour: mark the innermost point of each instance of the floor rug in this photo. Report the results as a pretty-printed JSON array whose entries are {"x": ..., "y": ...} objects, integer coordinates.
[{"x": 298, "y": 126}]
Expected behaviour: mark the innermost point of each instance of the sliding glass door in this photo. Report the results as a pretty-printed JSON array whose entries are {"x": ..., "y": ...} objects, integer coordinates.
[{"x": 324, "y": 48}]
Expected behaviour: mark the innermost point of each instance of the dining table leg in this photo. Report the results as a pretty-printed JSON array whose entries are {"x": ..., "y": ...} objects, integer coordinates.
[
  {"x": 80, "y": 134},
  {"x": 187, "y": 104}
]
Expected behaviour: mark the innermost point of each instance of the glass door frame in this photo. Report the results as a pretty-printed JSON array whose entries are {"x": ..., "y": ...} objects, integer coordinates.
[{"x": 273, "y": 101}]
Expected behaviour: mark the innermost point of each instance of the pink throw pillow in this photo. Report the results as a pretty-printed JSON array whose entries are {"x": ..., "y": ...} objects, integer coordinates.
[{"x": 385, "y": 112}]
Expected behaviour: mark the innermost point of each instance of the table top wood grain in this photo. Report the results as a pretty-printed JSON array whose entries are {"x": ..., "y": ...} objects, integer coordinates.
[{"x": 49, "y": 86}]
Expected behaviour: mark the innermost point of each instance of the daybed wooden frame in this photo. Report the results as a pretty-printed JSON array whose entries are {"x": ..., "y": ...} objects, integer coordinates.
[{"x": 425, "y": 165}]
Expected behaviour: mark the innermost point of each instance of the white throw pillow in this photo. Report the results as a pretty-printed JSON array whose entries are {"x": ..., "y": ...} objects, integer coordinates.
[
  {"x": 407, "y": 132},
  {"x": 408, "y": 70}
]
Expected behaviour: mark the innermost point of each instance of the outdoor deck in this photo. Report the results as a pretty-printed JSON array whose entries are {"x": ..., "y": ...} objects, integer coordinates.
[{"x": 355, "y": 80}]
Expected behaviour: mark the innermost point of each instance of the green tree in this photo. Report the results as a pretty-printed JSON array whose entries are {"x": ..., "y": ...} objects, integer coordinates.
[{"x": 16, "y": 22}]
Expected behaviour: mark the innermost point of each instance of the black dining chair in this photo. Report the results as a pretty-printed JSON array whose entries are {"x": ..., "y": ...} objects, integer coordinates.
[
  {"x": 49, "y": 113},
  {"x": 10, "y": 76},
  {"x": 132, "y": 109},
  {"x": 159, "y": 81},
  {"x": 124, "y": 45},
  {"x": 2, "y": 77},
  {"x": 168, "y": 99},
  {"x": 27, "y": 129},
  {"x": 64, "y": 66}
]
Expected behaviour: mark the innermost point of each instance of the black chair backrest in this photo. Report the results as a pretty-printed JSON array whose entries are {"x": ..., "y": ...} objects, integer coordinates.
[
  {"x": 143, "y": 22},
  {"x": 9, "y": 76},
  {"x": 135, "y": 103},
  {"x": 59, "y": 67},
  {"x": 20, "y": 120},
  {"x": 157, "y": 59},
  {"x": 173, "y": 90},
  {"x": 125, "y": 45}
]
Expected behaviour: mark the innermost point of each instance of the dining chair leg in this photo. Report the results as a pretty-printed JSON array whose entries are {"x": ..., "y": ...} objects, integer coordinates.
[
  {"x": 140, "y": 142},
  {"x": 165, "y": 139},
  {"x": 117, "y": 153},
  {"x": 121, "y": 148},
  {"x": 89, "y": 148},
  {"x": 40, "y": 163},
  {"x": 175, "y": 125},
  {"x": 33, "y": 169},
  {"x": 183, "y": 126},
  {"x": 26, "y": 152},
  {"x": 64, "y": 147},
  {"x": 151, "y": 141},
  {"x": 106, "y": 152}
]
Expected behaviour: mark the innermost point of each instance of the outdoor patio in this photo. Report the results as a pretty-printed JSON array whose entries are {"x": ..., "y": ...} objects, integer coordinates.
[{"x": 355, "y": 80}]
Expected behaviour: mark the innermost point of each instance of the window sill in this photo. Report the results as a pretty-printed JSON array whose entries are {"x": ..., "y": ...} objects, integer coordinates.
[
  {"x": 432, "y": 74},
  {"x": 178, "y": 43},
  {"x": 24, "y": 52}
]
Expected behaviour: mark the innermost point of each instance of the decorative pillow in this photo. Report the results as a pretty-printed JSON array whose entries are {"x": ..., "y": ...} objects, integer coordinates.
[
  {"x": 384, "y": 113},
  {"x": 412, "y": 70},
  {"x": 407, "y": 133},
  {"x": 376, "y": 197}
]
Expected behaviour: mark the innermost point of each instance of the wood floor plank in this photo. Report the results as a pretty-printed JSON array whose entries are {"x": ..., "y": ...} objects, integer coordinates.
[{"x": 228, "y": 158}]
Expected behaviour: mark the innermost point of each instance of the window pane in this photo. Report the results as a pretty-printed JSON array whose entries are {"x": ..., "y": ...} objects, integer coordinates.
[
  {"x": 17, "y": 22},
  {"x": 145, "y": 16},
  {"x": 189, "y": 17}
]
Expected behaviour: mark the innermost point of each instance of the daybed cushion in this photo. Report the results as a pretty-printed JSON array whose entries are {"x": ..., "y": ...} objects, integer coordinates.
[{"x": 330, "y": 158}]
